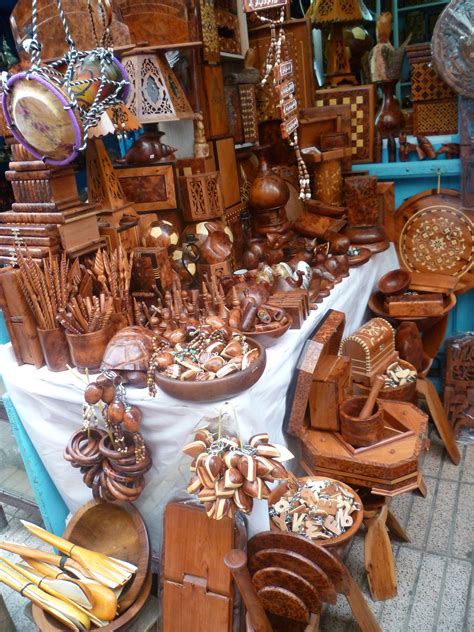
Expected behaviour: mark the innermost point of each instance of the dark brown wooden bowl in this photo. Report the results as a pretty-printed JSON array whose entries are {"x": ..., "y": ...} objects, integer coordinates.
[
  {"x": 278, "y": 492},
  {"x": 118, "y": 530},
  {"x": 268, "y": 338},
  {"x": 394, "y": 282},
  {"x": 218, "y": 389}
]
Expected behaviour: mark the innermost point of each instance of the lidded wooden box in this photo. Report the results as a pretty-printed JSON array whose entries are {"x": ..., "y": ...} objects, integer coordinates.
[{"x": 371, "y": 349}]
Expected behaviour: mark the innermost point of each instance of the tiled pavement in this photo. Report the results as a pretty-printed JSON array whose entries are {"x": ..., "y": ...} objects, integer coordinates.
[{"x": 434, "y": 570}]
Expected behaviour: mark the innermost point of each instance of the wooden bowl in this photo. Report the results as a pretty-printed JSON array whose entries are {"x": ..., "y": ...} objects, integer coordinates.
[
  {"x": 404, "y": 393},
  {"x": 357, "y": 260},
  {"x": 47, "y": 623},
  {"x": 118, "y": 530},
  {"x": 219, "y": 388},
  {"x": 377, "y": 306},
  {"x": 360, "y": 432},
  {"x": 394, "y": 282},
  {"x": 268, "y": 338},
  {"x": 278, "y": 492}
]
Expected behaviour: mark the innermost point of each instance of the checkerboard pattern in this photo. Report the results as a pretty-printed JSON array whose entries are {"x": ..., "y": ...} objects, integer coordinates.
[{"x": 361, "y": 99}]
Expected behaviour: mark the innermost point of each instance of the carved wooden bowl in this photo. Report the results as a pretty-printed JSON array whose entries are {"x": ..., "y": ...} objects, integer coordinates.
[
  {"x": 404, "y": 393},
  {"x": 219, "y": 388},
  {"x": 394, "y": 282},
  {"x": 268, "y": 338},
  {"x": 118, "y": 530},
  {"x": 338, "y": 540}
]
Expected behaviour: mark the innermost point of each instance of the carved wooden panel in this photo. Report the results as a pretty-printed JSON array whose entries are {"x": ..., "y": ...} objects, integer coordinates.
[
  {"x": 435, "y": 117},
  {"x": 149, "y": 188},
  {"x": 234, "y": 114},
  {"x": 362, "y": 102},
  {"x": 228, "y": 31},
  {"x": 156, "y": 21},
  {"x": 248, "y": 110},
  {"x": 459, "y": 381},
  {"x": 426, "y": 84},
  {"x": 201, "y": 196},
  {"x": 209, "y": 33},
  {"x": 298, "y": 41}
]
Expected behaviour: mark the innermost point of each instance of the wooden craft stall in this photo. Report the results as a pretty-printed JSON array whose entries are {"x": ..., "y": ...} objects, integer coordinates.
[{"x": 233, "y": 240}]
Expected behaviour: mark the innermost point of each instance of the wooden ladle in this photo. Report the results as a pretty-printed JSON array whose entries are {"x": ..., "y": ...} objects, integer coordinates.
[{"x": 368, "y": 408}]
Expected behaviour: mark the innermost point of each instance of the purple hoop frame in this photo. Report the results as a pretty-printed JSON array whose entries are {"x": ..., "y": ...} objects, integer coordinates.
[{"x": 78, "y": 133}]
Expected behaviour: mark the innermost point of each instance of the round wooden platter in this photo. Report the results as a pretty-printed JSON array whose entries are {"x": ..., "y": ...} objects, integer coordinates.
[
  {"x": 438, "y": 239},
  {"x": 117, "y": 530}
]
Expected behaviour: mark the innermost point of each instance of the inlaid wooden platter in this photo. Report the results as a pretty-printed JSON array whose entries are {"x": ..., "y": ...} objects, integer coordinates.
[{"x": 438, "y": 239}]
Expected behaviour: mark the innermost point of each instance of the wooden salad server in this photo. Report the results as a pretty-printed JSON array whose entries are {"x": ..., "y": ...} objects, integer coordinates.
[
  {"x": 107, "y": 570},
  {"x": 67, "y": 563},
  {"x": 68, "y": 614},
  {"x": 104, "y": 599},
  {"x": 60, "y": 588}
]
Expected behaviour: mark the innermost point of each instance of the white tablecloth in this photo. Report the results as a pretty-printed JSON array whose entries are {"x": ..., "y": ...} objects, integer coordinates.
[{"x": 49, "y": 404}]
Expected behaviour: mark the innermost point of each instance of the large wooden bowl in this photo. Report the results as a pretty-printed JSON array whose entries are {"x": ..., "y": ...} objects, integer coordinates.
[
  {"x": 394, "y": 282},
  {"x": 404, "y": 393},
  {"x": 268, "y": 338},
  {"x": 338, "y": 541},
  {"x": 219, "y": 388},
  {"x": 118, "y": 530},
  {"x": 377, "y": 306}
]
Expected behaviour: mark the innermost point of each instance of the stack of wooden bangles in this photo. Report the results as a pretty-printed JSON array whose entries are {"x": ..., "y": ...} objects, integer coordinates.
[{"x": 112, "y": 475}]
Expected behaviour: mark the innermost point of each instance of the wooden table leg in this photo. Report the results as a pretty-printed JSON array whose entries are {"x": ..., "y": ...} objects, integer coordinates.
[
  {"x": 426, "y": 389},
  {"x": 395, "y": 527},
  {"x": 379, "y": 560}
]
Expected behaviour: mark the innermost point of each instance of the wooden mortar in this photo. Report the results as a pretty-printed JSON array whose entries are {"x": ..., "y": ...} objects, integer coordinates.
[{"x": 361, "y": 418}]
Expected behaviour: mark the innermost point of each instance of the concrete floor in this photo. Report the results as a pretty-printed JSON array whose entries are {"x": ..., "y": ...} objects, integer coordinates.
[{"x": 434, "y": 570}]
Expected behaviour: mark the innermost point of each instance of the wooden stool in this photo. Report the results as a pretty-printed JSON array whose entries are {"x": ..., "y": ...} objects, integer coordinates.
[{"x": 288, "y": 579}]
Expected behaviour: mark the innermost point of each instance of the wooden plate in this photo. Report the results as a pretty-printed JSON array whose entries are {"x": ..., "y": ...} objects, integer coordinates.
[
  {"x": 438, "y": 239},
  {"x": 357, "y": 260},
  {"x": 47, "y": 623},
  {"x": 118, "y": 530}
]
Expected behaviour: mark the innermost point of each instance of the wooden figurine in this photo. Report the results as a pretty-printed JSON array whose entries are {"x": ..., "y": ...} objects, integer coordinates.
[
  {"x": 148, "y": 148},
  {"x": 406, "y": 148}
]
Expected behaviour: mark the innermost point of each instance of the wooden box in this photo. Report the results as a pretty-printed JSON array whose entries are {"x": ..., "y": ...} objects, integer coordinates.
[
  {"x": 435, "y": 117},
  {"x": 332, "y": 384},
  {"x": 223, "y": 151},
  {"x": 371, "y": 349},
  {"x": 150, "y": 187},
  {"x": 415, "y": 305},
  {"x": 201, "y": 196},
  {"x": 19, "y": 320},
  {"x": 58, "y": 186}
]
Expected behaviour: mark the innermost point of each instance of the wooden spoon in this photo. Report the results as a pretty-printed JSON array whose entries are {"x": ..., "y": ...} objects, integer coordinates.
[{"x": 57, "y": 560}]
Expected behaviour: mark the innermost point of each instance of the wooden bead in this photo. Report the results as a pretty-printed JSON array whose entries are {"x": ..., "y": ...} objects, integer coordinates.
[
  {"x": 108, "y": 393},
  {"x": 93, "y": 393},
  {"x": 131, "y": 419},
  {"x": 116, "y": 412}
]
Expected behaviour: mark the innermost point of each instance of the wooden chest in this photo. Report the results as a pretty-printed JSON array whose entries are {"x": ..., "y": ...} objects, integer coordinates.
[
  {"x": 332, "y": 384},
  {"x": 371, "y": 349}
]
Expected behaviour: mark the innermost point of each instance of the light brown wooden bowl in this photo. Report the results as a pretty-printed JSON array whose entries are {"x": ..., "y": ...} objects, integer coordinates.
[
  {"x": 404, "y": 393},
  {"x": 118, "y": 530},
  {"x": 268, "y": 338},
  {"x": 338, "y": 540},
  {"x": 394, "y": 282},
  {"x": 218, "y": 389}
]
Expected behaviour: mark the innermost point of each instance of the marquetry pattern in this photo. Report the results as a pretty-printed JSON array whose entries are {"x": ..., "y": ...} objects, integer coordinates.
[
  {"x": 435, "y": 117},
  {"x": 361, "y": 100}
]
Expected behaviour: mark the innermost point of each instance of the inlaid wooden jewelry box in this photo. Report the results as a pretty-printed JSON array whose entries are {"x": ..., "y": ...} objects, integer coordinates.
[{"x": 371, "y": 349}]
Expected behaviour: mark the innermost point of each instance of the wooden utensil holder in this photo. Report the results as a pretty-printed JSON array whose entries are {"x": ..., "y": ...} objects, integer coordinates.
[
  {"x": 360, "y": 432},
  {"x": 87, "y": 350},
  {"x": 55, "y": 349}
]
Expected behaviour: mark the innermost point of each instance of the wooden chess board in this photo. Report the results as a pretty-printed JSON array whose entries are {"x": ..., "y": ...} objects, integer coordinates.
[{"x": 362, "y": 102}]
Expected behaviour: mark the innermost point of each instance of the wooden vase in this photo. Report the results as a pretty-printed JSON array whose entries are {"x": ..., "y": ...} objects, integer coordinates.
[
  {"x": 55, "y": 349},
  {"x": 360, "y": 432},
  {"x": 390, "y": 120},
  {"x": 87, "y": 350}
]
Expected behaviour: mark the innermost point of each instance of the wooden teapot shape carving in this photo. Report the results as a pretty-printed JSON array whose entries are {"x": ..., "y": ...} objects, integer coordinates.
[{"x": 217, "y": 247}]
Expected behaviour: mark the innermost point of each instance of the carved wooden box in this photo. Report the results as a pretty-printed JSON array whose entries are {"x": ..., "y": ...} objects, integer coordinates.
[
  {"x": 371, "y": 349},
  {"x": 201, "y": 196},
  {"x": 332, "y": 384}
]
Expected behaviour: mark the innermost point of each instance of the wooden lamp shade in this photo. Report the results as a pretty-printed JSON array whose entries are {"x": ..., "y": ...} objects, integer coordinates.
[
  {"x": 155, "y": 93},
  {"x": 335, "y": 14}
]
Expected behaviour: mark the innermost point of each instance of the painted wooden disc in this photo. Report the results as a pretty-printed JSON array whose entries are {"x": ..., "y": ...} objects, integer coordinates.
[{"x": 439, "y": 239}]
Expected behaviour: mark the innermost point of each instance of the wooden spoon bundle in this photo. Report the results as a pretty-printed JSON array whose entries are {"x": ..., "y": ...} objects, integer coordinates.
[{"x": 228, "y": 476}]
